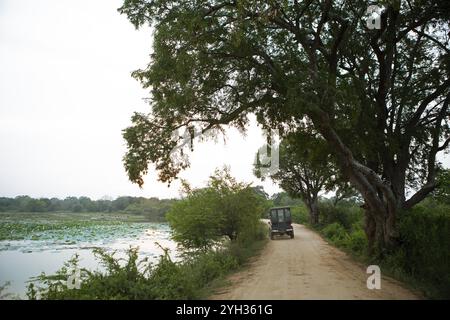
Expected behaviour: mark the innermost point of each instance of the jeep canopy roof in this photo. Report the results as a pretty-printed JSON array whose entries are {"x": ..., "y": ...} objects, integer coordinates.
[{"x": 280, "y": 214}]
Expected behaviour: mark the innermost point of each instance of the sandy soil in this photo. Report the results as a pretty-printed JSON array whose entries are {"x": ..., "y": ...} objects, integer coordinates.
[{"x": 307, "y": 267}]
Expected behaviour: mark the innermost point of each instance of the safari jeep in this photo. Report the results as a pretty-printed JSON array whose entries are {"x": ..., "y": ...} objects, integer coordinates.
[{"x": 280, "y": 222}]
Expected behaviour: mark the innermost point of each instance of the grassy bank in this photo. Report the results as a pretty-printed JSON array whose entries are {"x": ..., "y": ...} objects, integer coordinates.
[
  {"x": 195, "y": 276},
  {"x": 422, "y": 259}
]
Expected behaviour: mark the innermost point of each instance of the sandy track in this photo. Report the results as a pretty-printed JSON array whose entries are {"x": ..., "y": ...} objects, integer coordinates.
[{"x": 307, "y": 267}]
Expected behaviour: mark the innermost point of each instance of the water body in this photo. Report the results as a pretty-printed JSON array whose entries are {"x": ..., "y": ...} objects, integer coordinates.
[{"x": 22, "y": 259}]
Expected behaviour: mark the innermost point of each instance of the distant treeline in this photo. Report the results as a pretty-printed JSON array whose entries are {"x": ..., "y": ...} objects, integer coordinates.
[{"x": 153, "y": 207}]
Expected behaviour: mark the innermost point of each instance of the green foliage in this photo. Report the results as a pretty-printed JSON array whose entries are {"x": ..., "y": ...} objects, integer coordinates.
[
  {"x": 442, "y": 192},
  {"x": 195, "y": 220},
  {"x": 224, "y": 208},
  {"x": 344, "y": 214},
  {"x": 356, "y": 242},
  {"x": 353, "y": 240},
  {"x": 118, "y": 282},
  {"x": 335, "y": 232},
  {"x": 425, "y": 254},
  {"x": 305, "y": 165},
  {"x": 300, "y": 214},
  {"x": 282, "y": 199},
  {"x": 259, "y": 190}
]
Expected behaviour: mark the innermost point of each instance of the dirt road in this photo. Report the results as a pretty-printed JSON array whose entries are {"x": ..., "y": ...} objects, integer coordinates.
[{"x": 307, "y": 267}]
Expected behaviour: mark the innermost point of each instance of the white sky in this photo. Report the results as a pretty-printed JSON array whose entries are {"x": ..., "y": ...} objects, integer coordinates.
[{"x": 65, "y": 95}]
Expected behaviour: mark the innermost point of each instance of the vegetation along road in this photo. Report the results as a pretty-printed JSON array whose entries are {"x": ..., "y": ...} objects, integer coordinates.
[{"x": 307, "y": 267}]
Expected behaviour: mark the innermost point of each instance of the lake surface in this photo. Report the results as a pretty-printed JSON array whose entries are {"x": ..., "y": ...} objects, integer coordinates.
[{"x": 22, "y": 259}]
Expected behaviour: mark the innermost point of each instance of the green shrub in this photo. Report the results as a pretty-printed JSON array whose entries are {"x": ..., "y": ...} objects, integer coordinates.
[
  {"x": 335, "y": 232},
  {"x": 356, "y": 242},
  {"x": 208, "y": 266},
  {"x": 300, "y": 214},
  {"x": 225, "y": 208},
  {"x": 425, "y": 235},
  {"x": 261, "y": 232},
  {"x": 343, "y": 214}
]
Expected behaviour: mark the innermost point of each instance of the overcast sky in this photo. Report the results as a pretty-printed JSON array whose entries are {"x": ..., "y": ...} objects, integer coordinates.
[{"x": 65, "y": 95}]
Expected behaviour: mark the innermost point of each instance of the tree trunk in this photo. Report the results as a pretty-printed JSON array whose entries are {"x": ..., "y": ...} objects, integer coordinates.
[
  {"x": 381, "y": 206},
  {"x": 381, "y": 231},
  {"x": 370, "y": 230},
  {"x": 313, "y": 209}
]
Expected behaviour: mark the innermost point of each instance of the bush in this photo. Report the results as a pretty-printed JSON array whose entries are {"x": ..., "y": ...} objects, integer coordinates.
[
  {"x": 211, "y": 265},
  {"x": 425, "y": 234},
  {"x": 225, "y": 208},
  {"x": 357, "y": 242},
  {"x": 335, "y": 232},
  {"x": 117, "y": 282},
  {"x": 344, "y": 214},
  {"x": 300, "y": 214}
]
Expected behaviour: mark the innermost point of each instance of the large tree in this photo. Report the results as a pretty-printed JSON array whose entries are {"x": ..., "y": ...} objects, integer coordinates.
[{"x": 378, "y": 97}]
